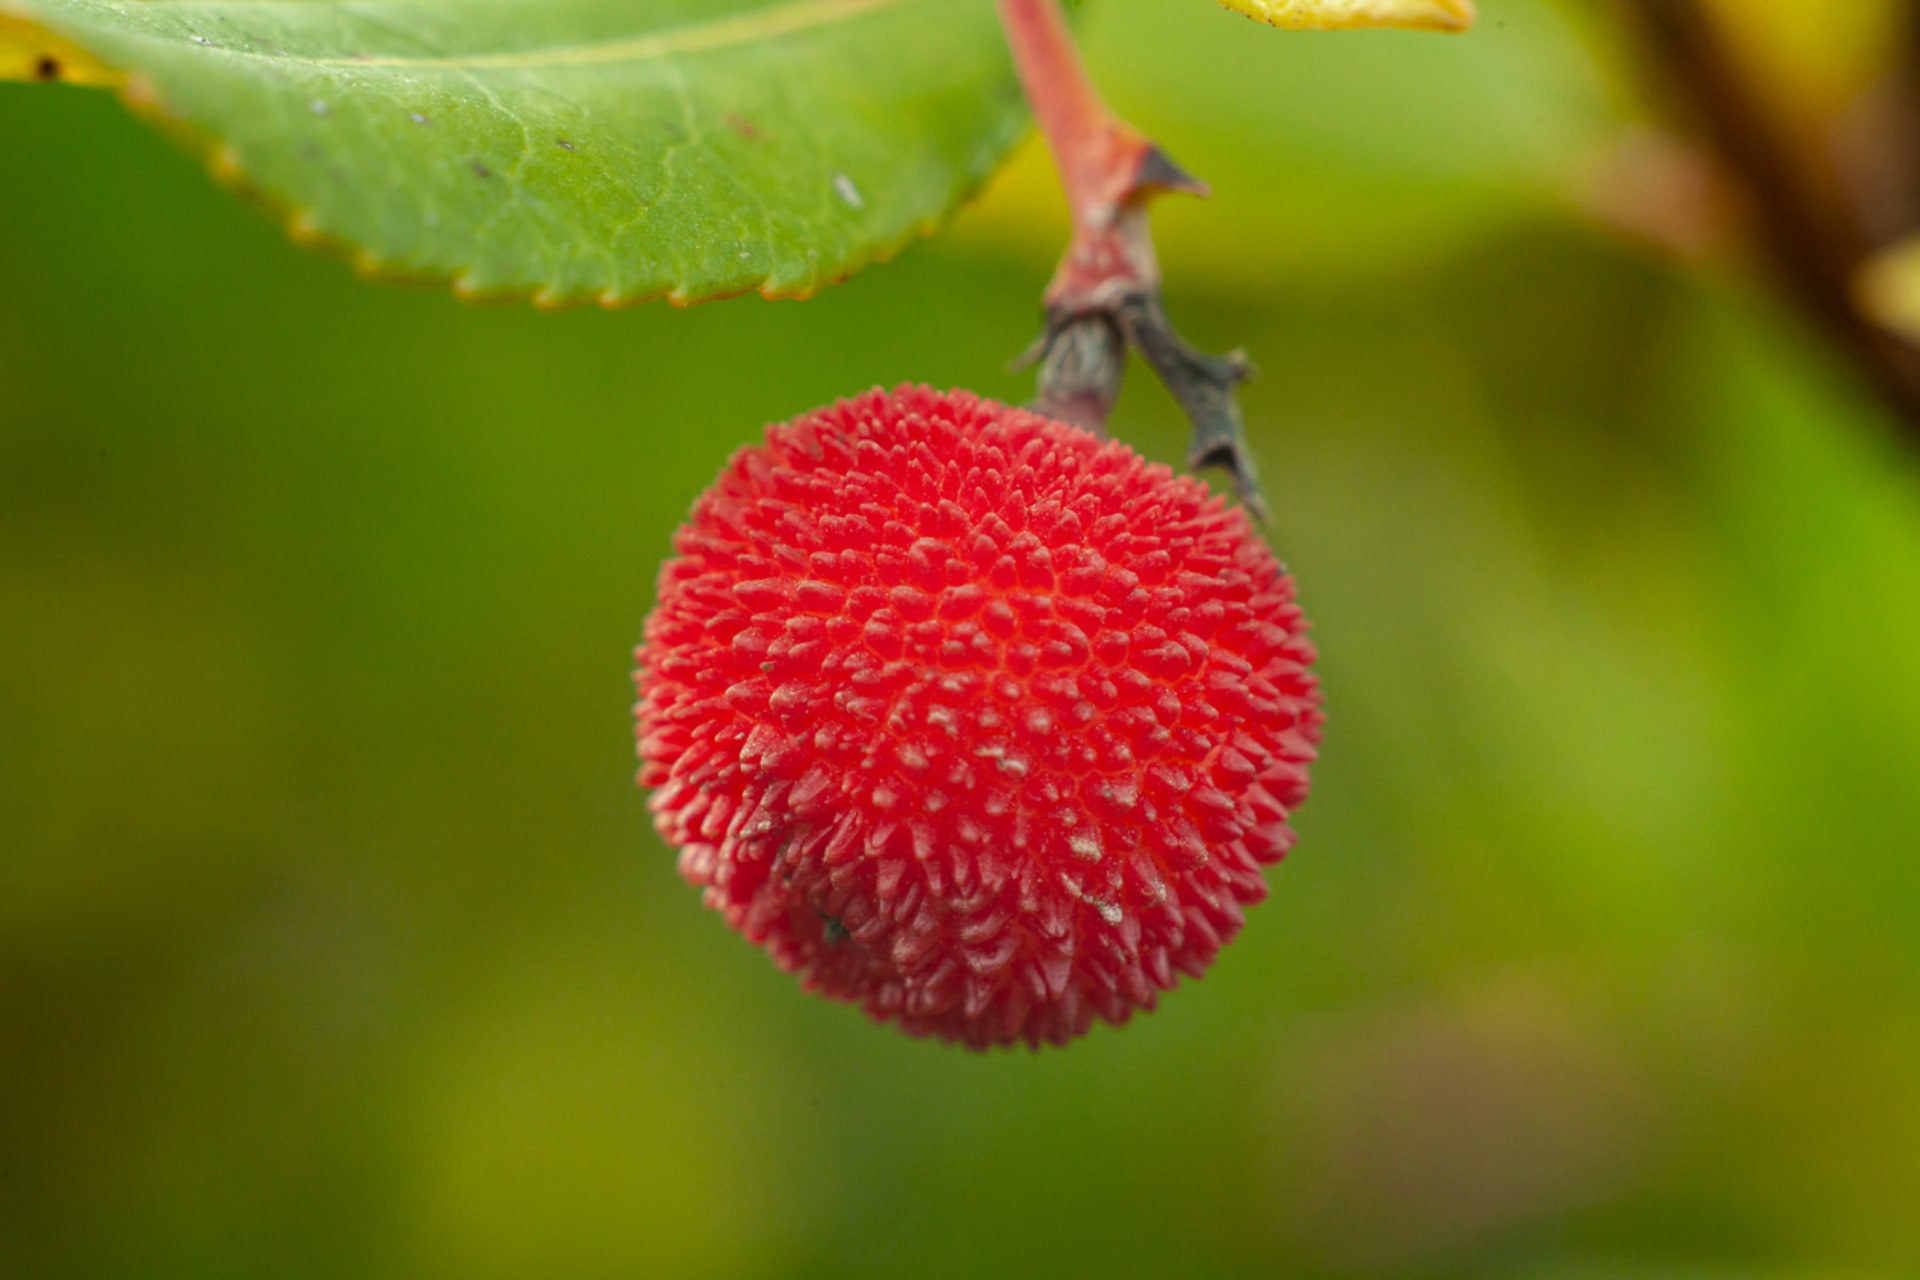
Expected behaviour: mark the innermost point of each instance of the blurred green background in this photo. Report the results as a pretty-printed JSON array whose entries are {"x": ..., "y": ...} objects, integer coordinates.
[{"x": 334, "y": 939}]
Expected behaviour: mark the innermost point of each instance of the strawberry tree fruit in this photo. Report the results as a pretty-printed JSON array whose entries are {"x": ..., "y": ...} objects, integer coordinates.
[{"x": 971, "y": 718}]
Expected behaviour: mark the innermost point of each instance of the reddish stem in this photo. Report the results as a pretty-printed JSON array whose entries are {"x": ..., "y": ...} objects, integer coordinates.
[
  {"x": 1078, "y": 126},
  {"x": 1106, "y": 293},
  {"x": 1109, "y": 169}
]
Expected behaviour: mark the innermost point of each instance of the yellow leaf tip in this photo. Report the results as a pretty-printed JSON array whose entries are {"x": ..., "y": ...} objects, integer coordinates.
[
  {"x": 304, "y": 227},
  {"x": 224, "y": 163}
]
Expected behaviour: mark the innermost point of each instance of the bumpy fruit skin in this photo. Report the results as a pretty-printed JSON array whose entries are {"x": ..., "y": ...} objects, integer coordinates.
[{"x": 972, "y": 719}]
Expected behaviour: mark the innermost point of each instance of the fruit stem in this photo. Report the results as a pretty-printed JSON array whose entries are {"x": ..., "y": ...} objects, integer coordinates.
[
  {"x": 1106, "y": 293},
  {"x": 1086, "y": 138}
]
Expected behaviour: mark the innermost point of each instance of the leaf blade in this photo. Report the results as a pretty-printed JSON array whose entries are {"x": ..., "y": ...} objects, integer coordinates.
[{"x": 574, "y": 150}]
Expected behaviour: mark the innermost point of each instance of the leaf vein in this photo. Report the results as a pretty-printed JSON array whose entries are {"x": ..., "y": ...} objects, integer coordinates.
[{"x": 790, "y": 18}]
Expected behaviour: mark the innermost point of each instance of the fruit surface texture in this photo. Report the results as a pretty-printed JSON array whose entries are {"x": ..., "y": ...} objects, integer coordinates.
[{"x": 971, "y": 718}]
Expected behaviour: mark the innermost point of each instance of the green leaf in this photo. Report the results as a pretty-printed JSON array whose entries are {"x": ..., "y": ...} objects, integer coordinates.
[{"x": 570, "y": 150}]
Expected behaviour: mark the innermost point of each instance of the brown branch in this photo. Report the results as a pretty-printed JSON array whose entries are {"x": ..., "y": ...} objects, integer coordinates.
[
  {"x": 1106, "y": 292},
  {"x": 1811, "y": 239},
  {"x": 1903, "y": 132}
]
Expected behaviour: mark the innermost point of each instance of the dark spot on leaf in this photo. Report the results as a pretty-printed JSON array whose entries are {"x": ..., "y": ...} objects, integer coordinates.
[
  {"x": 481, "y": 171},
  {"x": 833, "y": 931},
  {"x": 47, "y": 69},
  {"x": 743, "y": 126},
  {"x": 568, "y": 145}
]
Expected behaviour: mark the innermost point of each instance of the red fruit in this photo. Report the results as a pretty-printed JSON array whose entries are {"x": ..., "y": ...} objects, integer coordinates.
[{"x": 971, "y": 718}]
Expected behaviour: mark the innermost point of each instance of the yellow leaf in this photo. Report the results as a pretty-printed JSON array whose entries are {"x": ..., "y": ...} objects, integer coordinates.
[{"x": 1346, "y": 15}]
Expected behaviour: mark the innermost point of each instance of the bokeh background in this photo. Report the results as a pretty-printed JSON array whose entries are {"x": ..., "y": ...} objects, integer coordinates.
[{"x": 334, "y": 939}]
